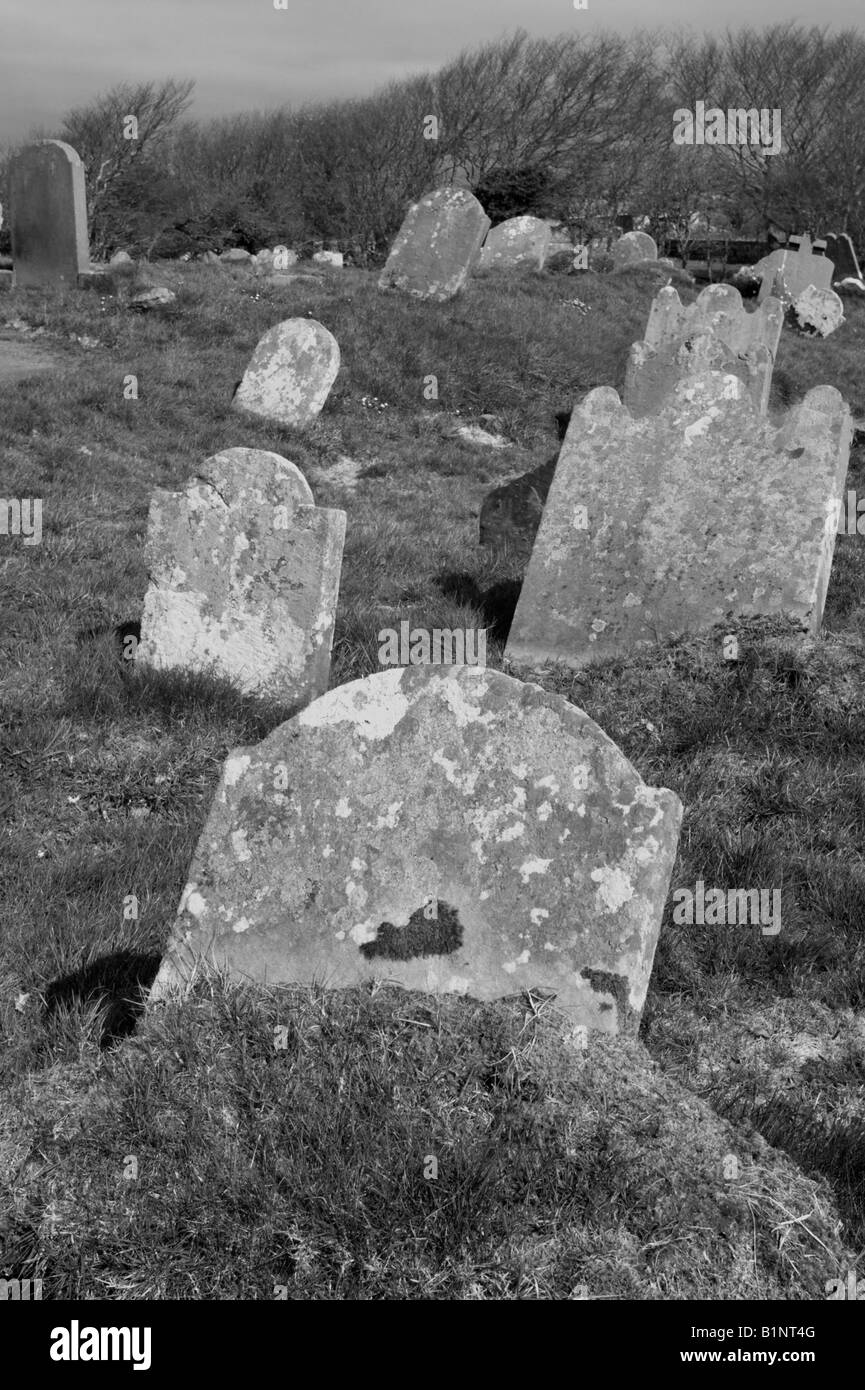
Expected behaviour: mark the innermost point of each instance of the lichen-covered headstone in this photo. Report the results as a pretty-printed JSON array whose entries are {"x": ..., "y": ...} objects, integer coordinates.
[
  {"x": 437, "y": 246},
  {"x": 520, "y": 241},
  {"x": 676, "y": 522},
  {"x": 787, "y": 273},
  {"x": 48, "y": 217},
  {"x": 633, "y": 247},
  {"x": 244, "y": 577},
  {"x": 653, "y": 373},
  {"x": 718, "y": 309},
  {"x": 456, "y": 832},
  {"x": 842, "y": 253},
  {"x": 818, "y": 311},
  {"x": 290, "y": 373}
]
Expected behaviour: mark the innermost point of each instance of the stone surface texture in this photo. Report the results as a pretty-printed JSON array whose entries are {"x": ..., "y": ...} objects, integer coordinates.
[
  {"x": 520, "y": 241},
  {"x": 290, "y": 373},
  {"x": 540, "y": 856},
  {"x": 718, "y": 309},
  {"x": 244, "y": 577},
  {"x": 48, "y": 222},
  {"x": 653, "y": 373},
  {"x": 658, "y": 527},
  {"x": 437, "y": 246},
  {"x": 818, "y": 311}
]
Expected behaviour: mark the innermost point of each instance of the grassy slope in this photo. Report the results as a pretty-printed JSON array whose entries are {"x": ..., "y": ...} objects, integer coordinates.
[{"x": 106, "y": 779}]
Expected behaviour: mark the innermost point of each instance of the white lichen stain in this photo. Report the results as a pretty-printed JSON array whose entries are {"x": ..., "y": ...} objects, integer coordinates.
[
  {"x": 342, "y": 808},
  {"x": 534, "y": 866},
  {"x": 520, "y": 770},
  {"x": 548, "y": 781},
  {"x": 389, "y": 819},
  {"x": 238, "y": 844},
  {"x": 242, "y": 924},
  {"x": 235, "y": 768},
  {"x": 374, "y": 712},
  {"x": 614, "y": 887},
  {"x": 544, "y": 811},
  {"x": 537, "y": 915},
  {"x": 564, "y": 835},
  {"x": 511, "y": 965},
  {"x": 363, "y": 932},
  {"x": 512, "y": 832},
  {"x": 327, "y": 852},
  {"x": 631, "y": 601},
  {"x": 195, "y": 904}
]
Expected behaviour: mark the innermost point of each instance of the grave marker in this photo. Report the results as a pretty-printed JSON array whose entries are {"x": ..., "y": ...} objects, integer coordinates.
[
  {"x": 437, "y": 246},
  {"x": 48, "y": 218}
]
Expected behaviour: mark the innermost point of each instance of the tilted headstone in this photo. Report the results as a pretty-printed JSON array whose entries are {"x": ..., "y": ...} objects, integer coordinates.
[
  {"x": 437, "y": 246},
  {"x": 633, "y": 247},
  {"x": 244, "y": 577},
  {"x": 818, "y": 311},
  {"x": 520, "y": 241},
  {"x": 457, "y": 832},
  {"x": 48, "y": 218},
  {"x": 842, "y": 253},
  {"x": 653, "y": 373},
  {"x": 290, "y": 373},
  {"x": 718, "y": 309},
  {"x": 670, "y": 524},
  {"x": 787, "y": 273}
]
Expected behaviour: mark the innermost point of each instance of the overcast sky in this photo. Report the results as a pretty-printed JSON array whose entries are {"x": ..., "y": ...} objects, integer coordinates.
[{"x": 243, "y": 54}]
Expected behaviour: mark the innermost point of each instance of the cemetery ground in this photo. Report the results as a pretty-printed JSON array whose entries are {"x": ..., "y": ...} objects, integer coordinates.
[{"x": 380, "y": 1144}]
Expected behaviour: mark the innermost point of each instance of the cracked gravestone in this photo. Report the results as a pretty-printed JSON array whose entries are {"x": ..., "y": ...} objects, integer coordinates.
[
  {"x": 48, "y": 217},
  {"x": 437, "y": 246},
  {"x": 785, "y": 274},
  {"x": 633, "y": 247},
  {"x": 244, "y": 577},
  {"x": 458, "y": 832},
  {"x": 518, "y": 242},
  {"x": 290, "y": 373},
  {"x": 673, "y": 523}
]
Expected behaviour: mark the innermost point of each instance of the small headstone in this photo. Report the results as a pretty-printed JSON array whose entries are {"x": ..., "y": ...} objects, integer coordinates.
[
  {"x": 787, "y": 273},
  {"x": 209, "y": 258},
  {"x": 360, "y": 841},
  {"x": 718, "y": 309},
  {"x": 48, "y": 216},
  {"x": 437, "y": 246},
  {"x": 236, "y": 256},
  {"x": 654, "y": 373},
  {"x": 121, "y": 258},
  {"x": 154, "y": 298},
  {"x": 290, "y": 373},
  {"x": 818, "y": 311},
  {"x": 244, "y": 577},
  {"x": 842, "y": 253},
  {"x": 670, "y": 524},
  {"x": 633, "y": 247},
  {"x": 331, "y": 258},
  {"x": 520, "y": 241}
]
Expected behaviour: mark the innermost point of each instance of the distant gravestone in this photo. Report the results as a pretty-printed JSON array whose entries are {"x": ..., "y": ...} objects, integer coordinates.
[
  {"x": 673, "y": 523},
  {"x": 520, "y": 241},
  {"x": 359, "y": 841},
  {"x": 290, "y": 373},
  {"x": 244, "y": 577},
  {"x": 48, "y": 220},
  {"x": 718, "y": 309},
  {"x": 842, "y": 253},
  {"x": 511, "y": 514},
  {"x": 818, "y": 311},
  {"x": 653, "y": 374},
  {"x": 335, "y": 259},
  {"x": 437, "y": 246},
  {"x": 633, "y": 247},
  {"x": 787, "y": 273},
  {"x": 236, "y": 256}
]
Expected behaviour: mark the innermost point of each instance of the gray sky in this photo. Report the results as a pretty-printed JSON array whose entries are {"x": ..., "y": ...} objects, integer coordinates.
[{"x": 245, "y": 55}]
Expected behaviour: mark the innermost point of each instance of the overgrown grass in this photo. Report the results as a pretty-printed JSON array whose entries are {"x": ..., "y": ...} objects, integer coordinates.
[{"x": 108, "y": 773}]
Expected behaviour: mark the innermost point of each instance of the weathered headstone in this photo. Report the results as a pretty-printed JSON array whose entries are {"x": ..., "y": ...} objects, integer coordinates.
[
  {"x": 718, "y": 309},
  {"x": 48, "y": 222},
  {"x": 787, "y": 273},
  {"x": 244, "y": 577},
  {"x": 236, "y": 255},
  {"x": 360, "y": 841},
  {"x": 290, "y": 373},
  {"x": 334, "y": 259},
  {"x": 633, "y": 247},
  {"x": 842, "y": 253},
  {"x": 520, "y": 241},
  {"x": 818, "y": 311},
  {"x": 437, "y": 246},
  {"x": 670, "y": 524},
  {"x": 653, "y": 373}
]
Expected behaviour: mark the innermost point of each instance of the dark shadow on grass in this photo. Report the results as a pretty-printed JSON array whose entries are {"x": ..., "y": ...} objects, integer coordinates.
[
  {"x": 117, "y": 981},
  {"x": 497, "y": 603}
]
